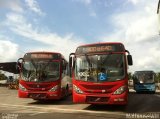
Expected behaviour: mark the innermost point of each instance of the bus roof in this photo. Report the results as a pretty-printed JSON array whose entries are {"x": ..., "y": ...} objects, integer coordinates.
[
  {"x": 101, "y": 43},
  {"x": 44, "y": 52}
]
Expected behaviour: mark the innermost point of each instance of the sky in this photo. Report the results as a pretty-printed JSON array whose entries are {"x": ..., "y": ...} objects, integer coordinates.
[{"x": 63, "y": 25}]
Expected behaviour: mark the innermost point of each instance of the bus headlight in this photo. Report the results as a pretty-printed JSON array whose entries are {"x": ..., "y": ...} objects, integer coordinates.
[
  {"x": 54, "y": 88},
  {"x": 77, "y": 90},
  {"x": 22, "y": 87},
  {"x": 120, "y": 90}
]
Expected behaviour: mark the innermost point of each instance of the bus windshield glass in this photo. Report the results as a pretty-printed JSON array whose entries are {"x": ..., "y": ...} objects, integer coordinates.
[
  {"x": 100, "y": 68},
  {"x": 144, "y": 77},
  {"x": 40, "y": 70}
]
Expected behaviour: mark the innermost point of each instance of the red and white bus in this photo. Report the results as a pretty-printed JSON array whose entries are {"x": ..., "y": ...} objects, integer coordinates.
[
  {"x": 43, "y": 75},
  {"x": 99, "y": 73}
]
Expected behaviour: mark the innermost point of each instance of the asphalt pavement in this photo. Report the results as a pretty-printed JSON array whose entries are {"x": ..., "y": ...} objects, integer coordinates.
[{"x": 140, "y": 105}]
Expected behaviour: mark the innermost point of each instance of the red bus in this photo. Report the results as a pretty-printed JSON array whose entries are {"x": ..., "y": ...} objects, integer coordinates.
[
  {"x": 43, "y": 75},
  {"x": 99, "y": 73}
]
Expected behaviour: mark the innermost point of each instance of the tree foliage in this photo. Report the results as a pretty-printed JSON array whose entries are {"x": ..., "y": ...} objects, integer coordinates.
[
  {"x": 2, "y": 76},
  {"x": 158, "y": 77},
  {"x": 129, "y": 75}
]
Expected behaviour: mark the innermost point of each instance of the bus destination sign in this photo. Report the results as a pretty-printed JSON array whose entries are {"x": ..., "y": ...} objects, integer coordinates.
[
  {"x": 100, "y": 48},
  {"x": 41, "y": 56},
  {"x": 54, "y": 56}
]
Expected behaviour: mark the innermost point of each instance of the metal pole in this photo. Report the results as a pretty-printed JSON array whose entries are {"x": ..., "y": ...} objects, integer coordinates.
[{"x": 158, "y": 7}]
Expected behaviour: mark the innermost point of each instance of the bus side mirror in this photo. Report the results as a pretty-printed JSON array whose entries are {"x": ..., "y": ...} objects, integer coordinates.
[
  {"x": 71, "y": 63},
  {"x": 19, "y": 63},
  {"x": 71, "y": 59},
  {"x": 129, "y": 58},
  {"x": 64, "y": 64}
]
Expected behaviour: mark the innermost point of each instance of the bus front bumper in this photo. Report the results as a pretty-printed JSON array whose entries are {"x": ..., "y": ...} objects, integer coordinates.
[
  {"x": 145, "y": 88},
  {"x": 38, "y": 95},
  {"x": 121, "y": 99}
]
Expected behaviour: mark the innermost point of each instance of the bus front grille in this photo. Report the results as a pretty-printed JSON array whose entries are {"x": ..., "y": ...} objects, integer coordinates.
[
  {"x": 37, "y": 95},
  {"x": 96, "y": 99}
]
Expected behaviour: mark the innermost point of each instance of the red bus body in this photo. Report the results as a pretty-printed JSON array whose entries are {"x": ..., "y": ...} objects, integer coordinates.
[
  {"x": 98, "y": 92},
  {"x": 43, "y": 88}
]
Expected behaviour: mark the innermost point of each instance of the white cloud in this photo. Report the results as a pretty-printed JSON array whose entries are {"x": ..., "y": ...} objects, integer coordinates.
[
  {"x": 137, "y": 26},
  {"x": 134, "y": 1},
  {"x": 10, "y": 4},
  {"x": 139, "y": 32},
  {"x": 86, "y": 2},
  {"x": 93, "y": 14},
  {"x": 33, "y": 6},
  {"x": 19, "y": 25},
  {"x": 108, "y": 3},
  {"x": 8, "y": 51}
]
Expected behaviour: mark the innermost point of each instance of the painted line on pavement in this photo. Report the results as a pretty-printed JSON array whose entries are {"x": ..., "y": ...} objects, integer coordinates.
[{"x": 49, "y": 109}]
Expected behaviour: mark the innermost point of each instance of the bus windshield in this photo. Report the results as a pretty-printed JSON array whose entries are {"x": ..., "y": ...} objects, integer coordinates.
[
  {"x": 40, "y": 70},
  {"x": 145, "y": 77},
  {"x": 100, "y": 68}
]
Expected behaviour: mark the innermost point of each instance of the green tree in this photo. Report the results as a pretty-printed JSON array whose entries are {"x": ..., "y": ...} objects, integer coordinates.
[
  {"x": 2, "y": 76},
  {"x": 158, "y": 77},
  {"x": 129, "y": 75}
]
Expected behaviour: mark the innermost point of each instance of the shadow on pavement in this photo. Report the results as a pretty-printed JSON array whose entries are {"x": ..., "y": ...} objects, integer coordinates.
[
  {"x": 138, "y": 103},
  {"x": 64, "y": 101},
  {"x": 111, "y": 108},
  {"x": 143, "y": 103}
]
